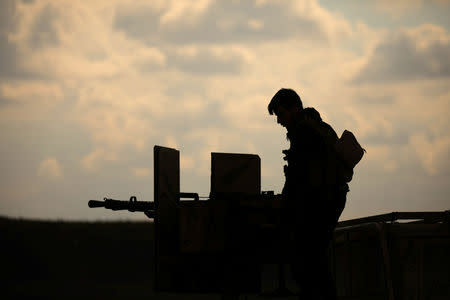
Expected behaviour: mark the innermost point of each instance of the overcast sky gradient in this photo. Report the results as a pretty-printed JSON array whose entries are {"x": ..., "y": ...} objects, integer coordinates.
[{"x": 87, "y": 88}]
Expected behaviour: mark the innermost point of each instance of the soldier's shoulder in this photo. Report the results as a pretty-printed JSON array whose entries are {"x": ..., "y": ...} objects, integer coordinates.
[
  {"x": 303, "y": 130},
  {"x": 308, "y": 125}
]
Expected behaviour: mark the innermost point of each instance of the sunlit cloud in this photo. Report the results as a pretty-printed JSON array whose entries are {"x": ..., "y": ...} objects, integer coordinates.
[
  {"x": 31, "y": 91},
  {"x": 434, "y": 154},
  {"x": 417, "y": 53},
  {"x": 381, "y": 159},
  {"x": 28, "y": 100},
  {"x": 397, "y": 8},
  {"x": 207, "y": 60},
  {"x": 177, "y": 11},
  {"x": 228, "y": 21},
  {"x": 92, "y": 161},
  {"x": 50, "y": 168}
]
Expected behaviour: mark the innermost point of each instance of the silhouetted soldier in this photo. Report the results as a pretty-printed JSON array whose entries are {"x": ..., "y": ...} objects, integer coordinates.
[{"x": 313, "y": 194}]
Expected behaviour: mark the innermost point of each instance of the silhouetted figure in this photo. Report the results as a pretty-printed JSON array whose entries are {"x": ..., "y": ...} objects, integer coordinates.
[{"x": 314, "y": 195}]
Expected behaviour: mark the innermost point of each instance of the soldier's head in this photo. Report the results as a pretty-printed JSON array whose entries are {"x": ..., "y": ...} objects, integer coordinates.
[{"x": 286, "y": 105}]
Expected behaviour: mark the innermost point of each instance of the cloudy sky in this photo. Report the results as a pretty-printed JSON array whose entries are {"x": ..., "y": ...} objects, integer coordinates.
[{"x": 87, "y": 88}]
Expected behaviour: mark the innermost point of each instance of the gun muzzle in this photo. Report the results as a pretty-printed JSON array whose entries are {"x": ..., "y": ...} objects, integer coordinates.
[{"x": 96, "y": 203}]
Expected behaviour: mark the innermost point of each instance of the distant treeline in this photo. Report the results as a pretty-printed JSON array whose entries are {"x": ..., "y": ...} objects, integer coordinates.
[{"x": 50, "y": 259}]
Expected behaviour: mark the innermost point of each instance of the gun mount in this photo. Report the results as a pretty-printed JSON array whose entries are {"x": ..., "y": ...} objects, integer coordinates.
[{"x": 221, "y": 243}]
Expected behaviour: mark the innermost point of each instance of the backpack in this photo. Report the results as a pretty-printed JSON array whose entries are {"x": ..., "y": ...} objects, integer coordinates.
[
  {"x": 349, "y": 152},
  {"x": 344, "y": 153}
]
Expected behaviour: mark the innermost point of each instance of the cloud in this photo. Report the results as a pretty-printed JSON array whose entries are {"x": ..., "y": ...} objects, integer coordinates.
[
  {"x": 229, "y": 21},
  {"x": 10, "y": 58},
  {"x": 7, "y": 12},
  {"x": 397, "y": 8},
  {"x": 69, "y": 41},
  {"x": 120, "y": 115},
  {"x": 409, "y": 121},
  {"x": 434, "y": 154},
  {"x": 44, "y": 31},
  {"x": 29, "y": 99},
  {"x": 381, "y": 158},
  {"x": 50, "y": 168},
  {"x": 418, "y": 53},
  {"x": 374, "y": 100},
  {"x": 248, "y": 114},
  {"x": 93, "y": 160},
  {"x": 207, "y": 60},
  {"x": 394, "y": 139},
  {"x": 30, "y": 91},
  {"x": 186, "y": 10},
  {"x": 209, "y": 140},
  {"x": 9, "y": 66}
]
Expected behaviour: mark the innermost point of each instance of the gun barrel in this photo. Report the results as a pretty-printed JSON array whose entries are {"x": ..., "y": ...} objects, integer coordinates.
[
  {"x": 96, "y": 203},
  {"x": 117, "y": 204},
  {"x": 132, "y": 205}
]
